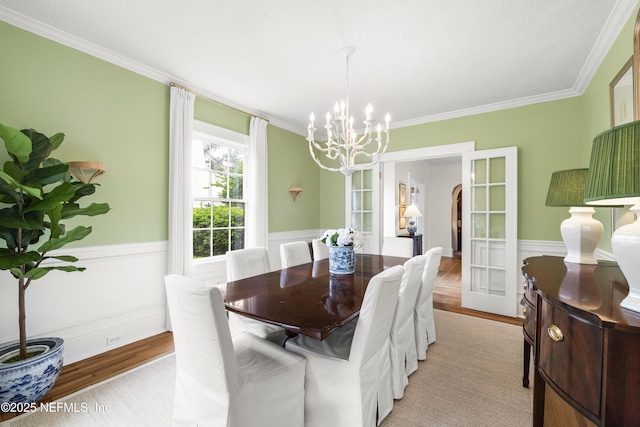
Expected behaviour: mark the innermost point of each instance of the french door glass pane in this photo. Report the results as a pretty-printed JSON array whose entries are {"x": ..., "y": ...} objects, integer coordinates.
[
  {"x": 367, "y": 200},
  {"x": 478, "y": 225},
  {"x": 497, "y": 170},
  {"x": 479, "y": 198},
  {"x": 497, "y": 226},
  {"x": 497, "y": 201},
  {"x": 479, "y": 172}
]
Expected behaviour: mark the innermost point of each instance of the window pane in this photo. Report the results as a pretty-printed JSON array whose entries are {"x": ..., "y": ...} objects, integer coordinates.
[
  {"x": 237, "y": 214},
  {"x": 219, "y": 158},
  {"x": 220, "y": 214},
  {"x": 236, "y": 160},
  {"x": 219, "y": 186},
  {"x": 201, "y": 243},
  {"x": 220, "y": 242},
  {"x": 201, "y": 215},
  {"x": 200, "y": 183},
  {"x": 200, "y": 154},
  {"x": 237, "y": 238},
  {"x": 235, "y": 187}
]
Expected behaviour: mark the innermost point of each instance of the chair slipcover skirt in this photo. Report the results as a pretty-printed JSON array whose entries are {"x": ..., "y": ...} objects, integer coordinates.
[
  {"x": 222, "y": 381},
  {"x": 344, "y": 372}
]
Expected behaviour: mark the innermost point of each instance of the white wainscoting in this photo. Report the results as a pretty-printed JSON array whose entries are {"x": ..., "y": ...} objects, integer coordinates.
[{"x": 122, "y": 293}]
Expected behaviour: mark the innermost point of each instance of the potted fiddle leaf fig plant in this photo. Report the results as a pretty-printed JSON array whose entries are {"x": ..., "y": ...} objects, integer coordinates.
[{"x": 37, "y": 193}]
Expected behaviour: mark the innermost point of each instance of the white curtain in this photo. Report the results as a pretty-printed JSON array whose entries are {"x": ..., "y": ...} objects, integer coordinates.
[
  {"x": 256, "y": 217},
  {"x": 180, "y": 251}
]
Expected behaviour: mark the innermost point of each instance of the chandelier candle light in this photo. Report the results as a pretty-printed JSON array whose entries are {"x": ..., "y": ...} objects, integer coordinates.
[{"x": 344, "y": 143}]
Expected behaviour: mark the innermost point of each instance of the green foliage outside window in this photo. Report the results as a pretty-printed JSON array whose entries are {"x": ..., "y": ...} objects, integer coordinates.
[{"x": 214, "y": 221}]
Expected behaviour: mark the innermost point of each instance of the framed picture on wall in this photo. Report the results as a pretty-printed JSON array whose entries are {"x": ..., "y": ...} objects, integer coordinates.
[{"x": 402, "y": 206}]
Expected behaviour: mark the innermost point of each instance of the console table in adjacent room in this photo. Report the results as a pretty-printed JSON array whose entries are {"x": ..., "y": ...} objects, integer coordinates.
[
  {"x": 586, "y": 348},
  {"x": 417, "y": 242}
]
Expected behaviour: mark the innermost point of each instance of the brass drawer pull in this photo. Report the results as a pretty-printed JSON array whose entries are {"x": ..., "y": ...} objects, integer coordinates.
[{"x": 555, "y": 333}]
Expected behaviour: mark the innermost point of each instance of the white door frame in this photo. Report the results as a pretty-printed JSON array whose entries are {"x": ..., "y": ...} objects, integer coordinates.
[{"x": 388, "y": 223}]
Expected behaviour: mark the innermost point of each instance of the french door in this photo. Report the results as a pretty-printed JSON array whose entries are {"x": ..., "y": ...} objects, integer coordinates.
[
  {"x": 489, "y": 231},
  {"x": 362, "y": 203}
]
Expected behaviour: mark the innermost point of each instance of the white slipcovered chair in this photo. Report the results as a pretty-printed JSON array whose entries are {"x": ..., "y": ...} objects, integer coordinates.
[
  {"x": 243, "y": 263},
  {"x": 344, "y": 372},
  {"x": 402, "y": 344},
  {"x": 294, "y": 253},
  {"x": 224, "y": 381},
  {"x": 397, "y": 246},
  {"x": 424, "y": 323},
  {"x": 320, "y": 250}
]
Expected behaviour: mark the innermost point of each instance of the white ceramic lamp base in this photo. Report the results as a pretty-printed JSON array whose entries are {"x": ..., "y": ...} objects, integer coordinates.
[
  {"x": 581, "y": 234},
  {"x": 626, "y": 247}
]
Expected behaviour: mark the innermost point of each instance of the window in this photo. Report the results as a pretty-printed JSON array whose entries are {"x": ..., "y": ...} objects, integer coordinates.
[{"x": 218, "y": 192}]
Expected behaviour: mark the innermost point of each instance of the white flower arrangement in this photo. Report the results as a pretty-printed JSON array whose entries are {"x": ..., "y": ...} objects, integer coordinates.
[{"x": 341, "y": 237}]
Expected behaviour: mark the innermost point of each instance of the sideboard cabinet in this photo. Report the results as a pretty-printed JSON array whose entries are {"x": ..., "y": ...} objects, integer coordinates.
[{"x": 586, "y": 348}]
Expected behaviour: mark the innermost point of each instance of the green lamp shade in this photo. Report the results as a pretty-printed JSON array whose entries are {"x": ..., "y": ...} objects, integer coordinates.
[
  {"x": 614, "y": 171},
  {"x": 567, "y": 188}
]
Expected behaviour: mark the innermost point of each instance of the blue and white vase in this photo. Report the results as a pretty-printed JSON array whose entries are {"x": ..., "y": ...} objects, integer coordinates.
[
  {"x": 342, "y": 260},
  {"x": 27, "y": 381}
]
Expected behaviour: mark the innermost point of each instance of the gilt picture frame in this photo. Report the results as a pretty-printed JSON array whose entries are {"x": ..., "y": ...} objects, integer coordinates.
[{"x": 402, "y": 205}]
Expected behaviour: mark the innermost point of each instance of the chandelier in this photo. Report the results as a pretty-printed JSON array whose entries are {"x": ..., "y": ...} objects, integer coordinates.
[{"x": 343, "y": 142}]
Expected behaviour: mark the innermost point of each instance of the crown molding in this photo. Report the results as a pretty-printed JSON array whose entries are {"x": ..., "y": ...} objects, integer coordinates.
[
  {"x": 66, "y": 39},
  {"x": 620, "y": 14},
  {"x": 536, "y": 99}
]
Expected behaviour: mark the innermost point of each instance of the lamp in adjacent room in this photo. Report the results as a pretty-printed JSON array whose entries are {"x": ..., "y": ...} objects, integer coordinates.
[
  {"x": 614, "y": 178},
  {"x": 581, "y": 233},
  {"x": 412, "y": 212}
]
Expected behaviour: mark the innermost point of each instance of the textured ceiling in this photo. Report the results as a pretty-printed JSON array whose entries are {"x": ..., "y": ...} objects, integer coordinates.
[{"x": 419, "y": 60}]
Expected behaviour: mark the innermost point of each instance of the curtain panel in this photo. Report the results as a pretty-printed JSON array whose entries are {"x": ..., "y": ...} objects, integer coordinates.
[{"x": 180, "y": 250}]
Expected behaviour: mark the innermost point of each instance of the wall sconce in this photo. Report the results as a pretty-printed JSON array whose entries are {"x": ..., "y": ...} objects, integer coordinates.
[
  {"x": 294, "y": 192},
  {"x": 86, "y": 171}
]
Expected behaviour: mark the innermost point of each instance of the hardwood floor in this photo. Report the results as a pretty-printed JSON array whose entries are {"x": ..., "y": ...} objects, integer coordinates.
[{"x": 87, "y": 372}]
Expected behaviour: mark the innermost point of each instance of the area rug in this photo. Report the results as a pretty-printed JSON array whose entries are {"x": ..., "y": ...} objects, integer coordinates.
[{"x": 472, "y": 377}]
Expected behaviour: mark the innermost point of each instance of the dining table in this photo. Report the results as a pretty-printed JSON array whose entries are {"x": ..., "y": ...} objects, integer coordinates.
[{"x": 306, "y": 299}]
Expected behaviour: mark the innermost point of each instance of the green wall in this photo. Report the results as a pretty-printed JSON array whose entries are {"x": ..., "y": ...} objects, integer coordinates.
[
  {"x": 120, "y": 118},
  {"x": 108, "y": 114}
]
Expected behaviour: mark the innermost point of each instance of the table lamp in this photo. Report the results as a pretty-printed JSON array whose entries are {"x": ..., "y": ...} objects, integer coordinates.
[
  {"x": 412, "y": 212},
  {"x": 614, "y": 178},
  {"x": 581, "y": 233}
]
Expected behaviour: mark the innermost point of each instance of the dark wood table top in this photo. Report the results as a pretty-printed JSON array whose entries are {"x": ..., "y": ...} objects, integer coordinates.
[
  {"x": 306, "y": 299},
  {"x": 596, "y": 289}
]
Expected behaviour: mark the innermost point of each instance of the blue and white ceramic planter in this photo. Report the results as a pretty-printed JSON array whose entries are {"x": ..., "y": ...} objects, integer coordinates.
[
  {"x": 27, "y": 381},
  {"x": 342, "y": 260}
]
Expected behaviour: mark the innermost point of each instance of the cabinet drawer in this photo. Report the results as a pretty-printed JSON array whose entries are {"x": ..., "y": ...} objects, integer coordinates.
[{"x": 572, "y": 358}]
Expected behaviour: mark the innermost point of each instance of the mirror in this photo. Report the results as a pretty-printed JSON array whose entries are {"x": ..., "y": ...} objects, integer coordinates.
[{"x": 621, "y": 105}]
